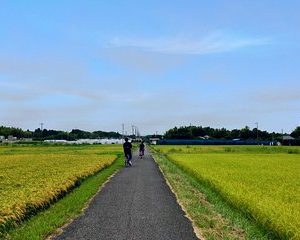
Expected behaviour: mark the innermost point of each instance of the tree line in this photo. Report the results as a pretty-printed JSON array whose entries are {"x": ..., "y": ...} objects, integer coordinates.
[
  {"x": 46, "y": 134},
  {"x": 198, "y": 132},
  {"x": 184, "y": 132}
]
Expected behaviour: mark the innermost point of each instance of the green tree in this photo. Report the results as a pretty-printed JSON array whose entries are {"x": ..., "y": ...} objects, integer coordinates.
[{"x": 296, "y": 132}]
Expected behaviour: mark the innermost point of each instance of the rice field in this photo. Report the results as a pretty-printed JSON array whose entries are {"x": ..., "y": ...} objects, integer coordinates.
[
  {"x": 262, "y": 182},
  {"x": 32, "y": 177}
]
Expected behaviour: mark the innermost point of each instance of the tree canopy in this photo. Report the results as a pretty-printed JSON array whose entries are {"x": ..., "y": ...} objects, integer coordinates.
[
  {"x": 45, "y": 134},
  {"x": 198, "y": 132},
  {"x": 296, "y": 132}
]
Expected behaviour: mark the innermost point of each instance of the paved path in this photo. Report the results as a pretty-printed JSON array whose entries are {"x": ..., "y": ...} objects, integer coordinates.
[{"x": 135, "y": 204}]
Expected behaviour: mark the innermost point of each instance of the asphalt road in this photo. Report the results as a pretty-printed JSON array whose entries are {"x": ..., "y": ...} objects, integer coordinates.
[{"x": 136, "y": 204}]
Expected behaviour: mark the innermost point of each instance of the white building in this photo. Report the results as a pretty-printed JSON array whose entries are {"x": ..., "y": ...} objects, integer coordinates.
[
  {"x": 154, "y": 140},
  {"x": 11, "y": 138},
  {"x": 88, "y": 141},
  {"x": 56, "y": 141},
  {"x": 287, "y": 138}
]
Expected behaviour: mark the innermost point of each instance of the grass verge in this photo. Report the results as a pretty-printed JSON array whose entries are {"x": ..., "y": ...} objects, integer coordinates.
[
  {"x": 46, "y": 222},
  {"x": 211, "y": 214}
]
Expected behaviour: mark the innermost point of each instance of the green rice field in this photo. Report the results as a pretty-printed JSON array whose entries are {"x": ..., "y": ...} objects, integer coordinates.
[{"x": 262, "y": 182}]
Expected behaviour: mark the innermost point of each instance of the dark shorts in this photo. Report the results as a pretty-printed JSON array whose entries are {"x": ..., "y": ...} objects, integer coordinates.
[
  {"x": 128, "y": 155},
  {"x": 142, "y": 151}
]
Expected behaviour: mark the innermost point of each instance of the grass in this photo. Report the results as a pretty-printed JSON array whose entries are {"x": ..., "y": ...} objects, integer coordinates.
[
  {"x": 46, "y": 222},
  {"x": 261, "y": 183}
]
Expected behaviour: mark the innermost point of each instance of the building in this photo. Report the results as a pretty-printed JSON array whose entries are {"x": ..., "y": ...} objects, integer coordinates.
[
  {"x": 289, "y": 140},
  {"x": 11, "y": 138},
  {"x": 88, "y": 141},
  {"x": 154, "y": 140},
  {"x": 55, "y": 141}
]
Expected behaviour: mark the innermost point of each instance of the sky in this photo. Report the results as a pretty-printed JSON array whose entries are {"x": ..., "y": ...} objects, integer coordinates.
[{"x": 94, "y": 65}]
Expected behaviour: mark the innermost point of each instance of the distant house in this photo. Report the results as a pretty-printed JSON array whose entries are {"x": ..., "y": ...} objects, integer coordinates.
[
  {"x": 204, "y": 137},
  {"x": 55, "y": 141},
  {"x": 2, "y": 138},
  {"x": 99, "y": 141},
  {"x": 88, "y": 141},
  {"x": 207, "y": 137},
  {"x": 154, "y": 140},
  {"x": 236, "y": 139},
  {"x": 289, "y": 140},
  {"x": 11, "y": 138},
  {"x": 111, "y": 141}
]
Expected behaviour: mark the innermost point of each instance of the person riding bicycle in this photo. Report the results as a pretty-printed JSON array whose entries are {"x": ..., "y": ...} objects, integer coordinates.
[
  {"x": 127, "y": 146},
  {"x": 142, "y": 149}
]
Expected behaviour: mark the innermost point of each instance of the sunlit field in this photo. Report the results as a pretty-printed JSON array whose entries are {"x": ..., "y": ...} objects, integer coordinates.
[
  {"x": 32, "y": 177},
  {"x": 263, "y": 182}
]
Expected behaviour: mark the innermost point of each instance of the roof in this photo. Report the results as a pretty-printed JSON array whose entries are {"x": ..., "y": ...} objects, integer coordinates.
[{"x": 287, "y": 137}]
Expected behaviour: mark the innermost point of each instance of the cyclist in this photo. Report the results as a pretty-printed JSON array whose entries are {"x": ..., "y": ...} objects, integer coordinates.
[
  {"x": 127, "y": 146},
  {"x": 142, "y": 149}
]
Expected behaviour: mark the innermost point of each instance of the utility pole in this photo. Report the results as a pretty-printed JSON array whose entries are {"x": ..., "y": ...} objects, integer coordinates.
[
  {"x": 256, "y": 131},
  {"x": 42, "y": 124},
  {"x": 137, "y": 132},
  {"x": 123, "y": 129}
]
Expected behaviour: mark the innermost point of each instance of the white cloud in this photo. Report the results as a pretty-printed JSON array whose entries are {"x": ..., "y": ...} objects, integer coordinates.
[
  {"x": 213, "y": 43},
  {"x": 145, "y": 61}
]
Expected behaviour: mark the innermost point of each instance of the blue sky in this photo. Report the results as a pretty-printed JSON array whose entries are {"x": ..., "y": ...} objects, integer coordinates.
[{"x": 155, "y": 64}]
